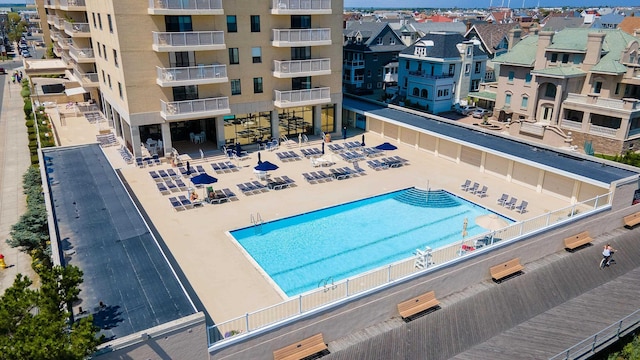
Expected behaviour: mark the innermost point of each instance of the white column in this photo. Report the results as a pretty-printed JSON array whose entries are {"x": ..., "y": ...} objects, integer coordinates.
[{"x": 165, "y": 130}]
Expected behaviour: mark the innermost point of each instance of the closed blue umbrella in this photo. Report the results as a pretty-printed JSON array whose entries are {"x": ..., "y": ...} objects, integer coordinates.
[
  {"x": 259, "y": 158},
  {"x": 344, "y": 133},
  {"x": 363, "y": 140},
  {"x": 386, "y": 146},
  {"x": 266, "y": 166},
  {"x": 323, "y": 148}
]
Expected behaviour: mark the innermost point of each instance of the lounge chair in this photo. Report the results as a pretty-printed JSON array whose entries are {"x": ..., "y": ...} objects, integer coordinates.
[
  {"x": 393, "y": 163},
  {"x": 310, "y": 179},
  {"x": 293, "y": 155},
  {"x": 156, "y": 159},
  {"x": 466, "y": 185},
  {"x": 347, "y": 170},
  {"x": 358, "y": 169},
  {"x": 242, "y": 155},
  {"x": 511, "y": 203},
  {"x": 259, "y": 186},
  {"x": 231, "y": 166},
  {"x": 171, "y": 186},
  {"x": 216, "y": 168},
  {"x": 245, "y": 189},
  {"x": 288, "y": 180},
  {"x": 522, "y": 208},
  {"x": 175, "y": 204},
  {"x": 163, "y": 188},
  {"x": 325, "y": 176},
  {"x": 283, "y": 156},
  {"x": 154, "y": 175},
  {"x": 229, "y": 194},
  {"x": 338, "y": 174},
  {"x": 180, "y": 184},
  {"x": 163, "y": 174},
  {"x": 336, "y": 148},
  {"x": 172, "y": 173},
  {"x": 474, "y": 188},
  {"x": 201, "y": 169},
  {"x": 482, "y": 192},
  {"x": 185, "y": 202},
  {"x": 306, "y": 153},
  {"x": 139, "y": 162},
  {"x": 183, "y": 171},
  {"x": 503, "y": 199}
]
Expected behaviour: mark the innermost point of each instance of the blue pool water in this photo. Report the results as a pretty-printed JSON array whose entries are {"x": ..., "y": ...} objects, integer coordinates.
[{"x": 342, "y": 241}]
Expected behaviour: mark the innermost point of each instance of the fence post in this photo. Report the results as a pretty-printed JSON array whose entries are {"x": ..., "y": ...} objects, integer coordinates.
[
  {"x": 595, "y": 205},
  {"x": 567, "y": 356},
  {"x": 246, "y": 321},
  {"x": 619, "y": 328},
  {"x": 347, "y": 287},
  {"x": 389, "y": 274},
  {"x": 548, "y": 218},
  {"x": 300, "y": 304},
  {"x": 521, "y": 227},
  {"x": 593, "y": 346}
]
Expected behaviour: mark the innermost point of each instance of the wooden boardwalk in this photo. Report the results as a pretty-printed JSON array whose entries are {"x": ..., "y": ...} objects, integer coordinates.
[{"x": 557, "y": 302}]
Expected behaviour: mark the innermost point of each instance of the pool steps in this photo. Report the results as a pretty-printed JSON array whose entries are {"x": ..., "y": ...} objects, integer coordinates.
[{"x": 427, "y": 198}]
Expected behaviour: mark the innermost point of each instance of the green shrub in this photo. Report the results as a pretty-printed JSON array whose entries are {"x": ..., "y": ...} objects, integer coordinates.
[
  {"x": 34, "y": 159},
  {"x": 29, "y": 123},
  {"x": 25, "y": 92},
  {"x": 33, "y": 143},
  {"x": 31, "y": 130},
  {"x": 32, "y": 137},
  {"x": 28, "y": 109}
]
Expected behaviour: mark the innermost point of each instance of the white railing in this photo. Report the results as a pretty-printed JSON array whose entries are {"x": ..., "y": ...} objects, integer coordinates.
[
  {"x": 302, "y": 66},
  {"x": 86, "y": 78},
  {"x": 191, "y": 73},
  {"x": 602, "y": 130},
  {"x": 308, "y": 36},
  {"x": 606, "y": 336},
  {"x": 530, "y": 128},
  {"x": 65, "y": 43},
  {"x": 177, "y": 108},
  {"x": 77, "y": 27},
  {"x": 603, "y": 102},
  {"x": 185, "y": 5},
  {"x": 354, "y": 63},
  {"x": 59, "y": 23},
  {"x": 571, "y": 124},
  {"x": 51, "y": 19},
  {"x": 84, "y": 53},
  {"x": 301, "y": 5},
  {"x": 336, "y": 292},
  {"x": 67, "y": 3},
  {"x": 191, "y": 38},
  {"x": 292, "y": 97}
]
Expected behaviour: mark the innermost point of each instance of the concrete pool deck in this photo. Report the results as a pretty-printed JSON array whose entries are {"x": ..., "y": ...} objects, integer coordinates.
[{"x": 226, "y": 282}]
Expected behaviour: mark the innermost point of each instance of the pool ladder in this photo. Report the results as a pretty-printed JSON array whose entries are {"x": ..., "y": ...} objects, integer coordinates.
[
  {"x": 257, "y": 222},
  {"x": 327, "y": 284}
]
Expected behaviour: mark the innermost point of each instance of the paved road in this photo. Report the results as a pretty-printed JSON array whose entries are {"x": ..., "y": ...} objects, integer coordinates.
[{"x": 14, "y": 161}]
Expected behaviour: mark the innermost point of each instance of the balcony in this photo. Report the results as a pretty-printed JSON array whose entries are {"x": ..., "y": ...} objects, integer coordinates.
[
  {"x": 181, "y": 7},
  {"x": 86, "y": 79},
  {"x": 188, "y": 41},
  {"x": 194, "y": 109},
  {"x": 67, "y": 60},
  {"x": 301, "y": 7},
  {"x": 84, "y": 55},
  {"x": 353, "y": 80},
  {"x": 64, "y": 43},
  {"x": 194, "y": 75},
  {"x": 305, "y": 97},
  {"x": 300, "y": 68},
  {"x": 58, "y": 22},
  {"x": 51, "y": 19},
  {"x": 353, "y": 64},
  {"x": 301, "y": 37},
  {"x": 73, "y": 5},
  {"x": 597, "y": 101},
  {"x": 51, "y": 4},
  {"x": 54, "y": 35},
  {"x": 77, "y": 29}
]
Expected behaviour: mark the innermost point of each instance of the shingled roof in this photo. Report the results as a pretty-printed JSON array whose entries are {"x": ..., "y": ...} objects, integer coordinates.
[
  {"x": 629, "y": 24},
  {"x": 444, "y": 45},
  {"x": 491, "y": 34}
]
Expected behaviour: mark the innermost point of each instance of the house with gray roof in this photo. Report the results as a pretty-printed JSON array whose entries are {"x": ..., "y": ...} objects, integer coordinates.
[
  {"x": 439, "y": 70},
  {"x": 580, "y": 84},
  {"x": 560, "y": 23},
  {"x": 493, "y": 38},
  {"x": 367, "y": 49}
]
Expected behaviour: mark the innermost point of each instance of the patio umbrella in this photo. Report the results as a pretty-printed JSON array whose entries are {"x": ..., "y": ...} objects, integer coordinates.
[
  {"x": 386, "y": 146},
  {"x": 362, "y": 140},
  {"x": 266, "y": 166},
  {"x": 322, "y": 148},
  {"x": 491, "y": 222},
  {"x": 203, "y": 179},
  {"x": 259, "y": 158}
]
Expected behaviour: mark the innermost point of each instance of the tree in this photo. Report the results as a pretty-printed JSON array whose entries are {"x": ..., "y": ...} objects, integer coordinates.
[
  {"x": 15, "y": 26},
  {"x": 34, "y": 324}
]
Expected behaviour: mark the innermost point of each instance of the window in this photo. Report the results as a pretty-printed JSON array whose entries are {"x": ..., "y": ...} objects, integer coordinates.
[
  {"x": 380, "y": 41},
  {"x": 511, "y": 76},
  {"x": 301, "y": 21},
  {"x": 565, "y": 58},
  {"x": 452, "y": 69},
  {"x": 379, "y": 85},
  {"x": 507, "y": 99},
  {"x": 368, "y": 73},
  {"x": 475, "y": 84},
  {"x": 234, "y": 56},
  {"x": 110, "y": 23},
  {"x": 379, "y": 72},
  {"x": 478, "y": 67},
  {"x": 554, "y": 57},
  {"x": 99, "y": 49},
  {"x": 182, "y": 93},
  {"x": 467, "y": 68},
  {"x": 617, "y": 92},
  {"x": 115, "y": 57},
  {"x": 232, "y": 24},
  {"x": 406, "y": 65},
  {"x": 597, "y": 87},
  {"x": 93, "y": 15},
  {"x": 255, "y": 23},
  {"x": 416, "y": 92},
  {"x": 235, "y": 87},
  {"x": 424, "y": 93},
  {"x": 525, "y": 102},
  {"x": 104, "y": 78},
  {"x": 527, "y": 79},
  {"x": 257, "y": 85},
  {"x": 104, "y": 51},
  {"x": 301, "y": 53},
  {"x": 99, "y": 21},
  {"x": 392, "y": 41},
  {"x": 256, "y": 54},
  {"x": 375, "y": 57},
  {"x": 120, "y": 89},
  {"x": 109, "y": 78},
  {"x": 178, "y": 23},
  {"x": 550, "y": 91}
]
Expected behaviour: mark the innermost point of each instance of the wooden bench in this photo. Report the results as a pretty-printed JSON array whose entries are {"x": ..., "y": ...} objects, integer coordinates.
[
  {"x": 508, "y": 268},
  {"x": 631, "y": 220},
  {"x": 418, "y": 304},
  {"x": 301, "y": 349},
  {"x": 578, "y": 240}
]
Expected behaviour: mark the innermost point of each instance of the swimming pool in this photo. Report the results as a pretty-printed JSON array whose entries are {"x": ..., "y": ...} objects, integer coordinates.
[{"x": 342, "y": 241}]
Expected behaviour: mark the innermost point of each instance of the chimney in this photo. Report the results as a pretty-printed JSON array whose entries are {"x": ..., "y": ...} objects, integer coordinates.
[
  {"x": 594, "y": 49},
  {"x": 514, "y": 37},
  {"x": 468, "y": 25},
  {"x": 545, "y": 38}
]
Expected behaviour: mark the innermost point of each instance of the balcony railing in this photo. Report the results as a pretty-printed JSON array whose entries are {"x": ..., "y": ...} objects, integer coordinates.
[
  {"x": 51, "y": 19},
  {"x": 298, "y": 68},
  {"x": 77, "y": 29},
  {"x": 65, "y": 43},
  {"x": 291, "y": 98},
  {"x": 624, "y": 104},
  {"x": 300, "y": 7},
  {"x": 602, "y": 130},
  {"x": 188, "y": 41},
  {"x": 301, "y": 37},
  {"x": 354, "y": 80},
  {"x": 181, "y": 7},
  {"x": 423, "y": 74},
  {"x": 193, "y": 75},
  {"x": 354, "y": 64},
  {"x": 193, "y": 109},
  {"x": 58, "y": 22},
  {"x": 80, "y": 55},
  {"x": 87, "y": 79},
  {"x": 67, "y": 60},
  {"x": 72, "y": 4},
  {"x": 571, "y": 124}
]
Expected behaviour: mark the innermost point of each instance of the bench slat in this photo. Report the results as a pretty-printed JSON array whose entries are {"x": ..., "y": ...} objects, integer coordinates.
[
  {"x": 575, "y": 241},
  {"x": 632, "y": 220},
  {"x": 505, "y": 269},
  {"x": 301, "y": 349},
  {"x": 418, "y": 304}
]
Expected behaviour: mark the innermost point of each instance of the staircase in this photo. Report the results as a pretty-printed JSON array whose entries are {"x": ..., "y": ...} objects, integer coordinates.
[{"x": 427, "y": 198}]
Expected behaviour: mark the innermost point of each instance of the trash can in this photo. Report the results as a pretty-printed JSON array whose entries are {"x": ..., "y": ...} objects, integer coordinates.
[{"x": 327, "y": 138}]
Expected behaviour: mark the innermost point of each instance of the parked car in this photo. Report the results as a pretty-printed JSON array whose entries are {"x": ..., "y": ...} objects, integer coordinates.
[
  {"x": 479, "y": 113},
  {"x": 466, "y": 110},
  {"x": 26, "y": 54},
  {"x": 2, "y": 70}
]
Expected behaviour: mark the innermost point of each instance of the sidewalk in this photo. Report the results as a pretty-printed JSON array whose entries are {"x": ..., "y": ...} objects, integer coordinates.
[{"x": 14, "y": 161}]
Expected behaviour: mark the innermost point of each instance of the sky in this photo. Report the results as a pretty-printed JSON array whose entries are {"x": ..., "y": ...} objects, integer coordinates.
[{"x": 482, "y": 3}]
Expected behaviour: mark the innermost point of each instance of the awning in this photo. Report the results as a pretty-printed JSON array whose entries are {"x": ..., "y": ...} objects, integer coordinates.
[{"x": 75, "y": 91}]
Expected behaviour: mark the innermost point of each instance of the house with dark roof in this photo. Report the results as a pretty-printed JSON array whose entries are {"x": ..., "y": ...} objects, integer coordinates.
[
  {"x": 368, "y": 48},
  {"x": 439, "y": 70},
  {"x": 493, "y": 38},
  {"x": 608, "y": 21},
  {"x": 630, "y": 25},
  {"x": 578, "y": 83},
  {"x": 560, "y": 23}
]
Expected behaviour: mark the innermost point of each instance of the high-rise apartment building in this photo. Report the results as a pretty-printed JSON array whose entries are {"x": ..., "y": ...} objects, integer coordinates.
[{"x": 211, "y": 72}]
